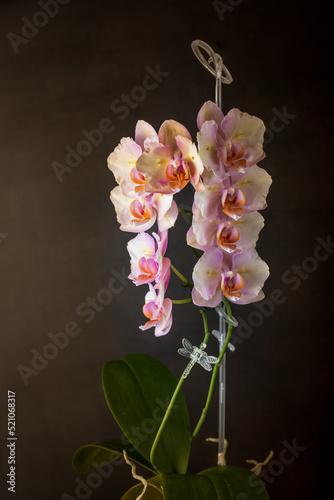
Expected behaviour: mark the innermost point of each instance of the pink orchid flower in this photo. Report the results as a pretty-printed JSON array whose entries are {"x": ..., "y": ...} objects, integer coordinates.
[
  {"x": 158, "y": 310},
  {"x": 147, "y": 261},
  {"x": 240, "y": 277},
  {"x": 168, "y": 165},
  {"x": 139, "y": 214},
  {"x": 235, "y": 195},
  {"x": 136, "y": 209},
  {"x": 228, "y": 234},
  {"x": 122, "y": 161},
  {"x": 233, "y": 142}
]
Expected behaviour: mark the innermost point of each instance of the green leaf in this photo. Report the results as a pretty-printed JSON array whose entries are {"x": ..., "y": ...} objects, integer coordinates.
[
  {"x": 238, "y": 480},
  {"x": 152, "y": 492},
  {"x": 98, "y": 454},
  {"x": 217, "y": 483},
  {"x": 187, "y": 487},
  {"x": 138, "y": 390}
]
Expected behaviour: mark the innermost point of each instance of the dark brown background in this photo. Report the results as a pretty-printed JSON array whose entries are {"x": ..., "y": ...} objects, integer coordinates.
[{"x": 63, "y": 240}]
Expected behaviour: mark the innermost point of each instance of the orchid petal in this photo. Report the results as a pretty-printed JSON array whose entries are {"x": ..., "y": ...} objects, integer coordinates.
[
  {"x": 126, "y": 208},
  {"x": 246, "y": 130},
  {"x": 209, "y": 202},
  {"x": 209, "y": 148},
  {"x": 216, "y": 299},
  {"x": 147, "y": 262},
  {"x": 254, "y": 184},
  {"x": 191, "y": 238},
  {"x": 227, "y": 236},
  {"x": 209, "y": 111},
  {"x": 153, "y": 164},
  {"x": 204, "y": 232},
  {"x": 207, "y": 273},
  {"x": 165, "y": 273},
  {"x": 122, "y": 161},
  {"x": 142, "y": 245},
  {"x": 151, "y": 296},
  {"x": 249, "y": 226},
  {"x": 168, "y": 132},
  {"x": 159, "y": 312},
  {"x": 193, "y": 161},
  {"x": 143, "y": 132},
  {"x": 163, "y": 235},
  {"x": 166, "y": 321},
  {"x": 254, "y": 271},
  {"x": 167, "y": 218},
  {"x": 150, "y": 310},
  {"x": 162, "y": 203},
  {"x": 150, "y": 264}
]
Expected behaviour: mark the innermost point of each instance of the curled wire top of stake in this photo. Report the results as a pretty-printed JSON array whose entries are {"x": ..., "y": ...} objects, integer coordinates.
[{"x": 218, "y": 66}]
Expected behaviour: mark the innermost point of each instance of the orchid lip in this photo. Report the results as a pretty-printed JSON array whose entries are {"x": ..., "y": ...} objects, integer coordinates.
[
  {"x": 149, "y": 309},
  {"x": 137, "y": 177},
  {"x": 148, "y": 266},
  {"x": 177, "y": 175},
  {"x": 139, "y": 211},
  {"x": 227, "y": 236},
  {"x": 231, "y": 284},
  {"x": 232, "y": 202}
]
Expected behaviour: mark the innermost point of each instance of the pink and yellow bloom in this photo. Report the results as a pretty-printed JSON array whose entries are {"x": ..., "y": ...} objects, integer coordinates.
[
  {"x": 228, "y": 234},
  {"x": 232, "y": 142},
  {"x": 169, "y": 164},
  {"x": 122, "y": 161},
  {"x": 139, "y": 214},
  {"x": 235, "y": 195},
  {"x": 230, "y": 189},
  {"x": 136, "y": 208},
  {"x": 240, "y": 277},
  {"x": 148, "y": 264},
  {"x": 158, "y": 310}
]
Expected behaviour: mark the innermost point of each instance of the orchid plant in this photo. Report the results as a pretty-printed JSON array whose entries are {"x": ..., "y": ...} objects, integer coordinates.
[{"x": 230, "y": 190}]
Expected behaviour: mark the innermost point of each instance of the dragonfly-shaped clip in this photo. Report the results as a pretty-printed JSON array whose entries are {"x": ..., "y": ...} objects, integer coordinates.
[{"x": 197, "y": 355}]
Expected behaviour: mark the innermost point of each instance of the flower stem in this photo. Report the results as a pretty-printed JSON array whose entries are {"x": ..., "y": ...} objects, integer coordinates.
[
  {"x": 183, "y": 278},
  {"x": 185, "y": 211},
  {"x": 181, "y": 301},
  {"x": 206, "y": 328},
  {"x": 214, "y": 374},
  {"x": 164, "y": 421},
  {"x": 177, "y": 390}
]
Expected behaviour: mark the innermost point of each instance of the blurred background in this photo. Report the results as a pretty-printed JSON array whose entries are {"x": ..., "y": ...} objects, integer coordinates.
[{"x": 71, "y": 67}]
